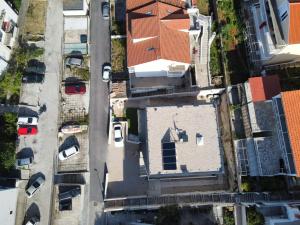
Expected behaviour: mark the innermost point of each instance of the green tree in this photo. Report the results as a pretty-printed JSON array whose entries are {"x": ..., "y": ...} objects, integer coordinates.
[
  {"x": 254, "y": 217},
  {"x": 7, "y": 156},
  {"x": 168, "y": 215},
  {"x": 228, "y": 217}
]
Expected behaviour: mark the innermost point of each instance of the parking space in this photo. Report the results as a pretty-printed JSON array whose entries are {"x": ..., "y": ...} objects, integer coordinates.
[
  {"x": 30, "y": 94},
  {"x": 78, "y": 162},
  {"x": 123, "y": 169},
  {"x": 67, "y": 211}
]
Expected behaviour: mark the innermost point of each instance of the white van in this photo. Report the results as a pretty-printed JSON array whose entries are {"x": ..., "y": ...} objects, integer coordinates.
[{"x": 28, "y": 120}]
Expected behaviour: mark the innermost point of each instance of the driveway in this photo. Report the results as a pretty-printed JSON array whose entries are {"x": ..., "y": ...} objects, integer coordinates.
[
  {"x": 44, "y": 144},
  {"x": 98, "y": 112}
]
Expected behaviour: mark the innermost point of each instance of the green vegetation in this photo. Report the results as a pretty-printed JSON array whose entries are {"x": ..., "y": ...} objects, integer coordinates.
[
  {"x": 228, "y": 216},
  {"x": 215, "y": 58},
  {"x": 10, "y": 82},
  {"x": 272, "y": 184},
  {"x": 118, "y": 55},
  {"x": 168, "y": 215},
  {"x": 84, "y": 73},
  {"x": 132, "y": 120},
  {"x": 203, "y": 7},
  {"x": 8, "y": 136},
  {"x": 16, "y": 3},
  {"x": 233, "y": 40},
  {"x": 254, "y": 217}
]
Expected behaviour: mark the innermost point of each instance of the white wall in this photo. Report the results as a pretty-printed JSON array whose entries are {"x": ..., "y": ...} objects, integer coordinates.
[
  {"x": 289, "y": 53},
  {"x": 156, "y": 68},
  {"x": 77, "y": 12},
  {"x": 9, "y": 12}
]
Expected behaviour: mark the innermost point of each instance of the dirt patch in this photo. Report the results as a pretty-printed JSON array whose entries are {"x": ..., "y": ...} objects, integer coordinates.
[
  {"x": 226, "y": 138},
  {"x": 35, "y": 19}
]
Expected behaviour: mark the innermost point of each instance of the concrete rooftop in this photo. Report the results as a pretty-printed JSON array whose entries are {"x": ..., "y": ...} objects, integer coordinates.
[{"x": 190, "y": 157}]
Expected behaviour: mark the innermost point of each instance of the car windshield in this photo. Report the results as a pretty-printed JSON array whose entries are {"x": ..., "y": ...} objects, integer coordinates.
[
  {"x": 64, "y": 154},
  {"x": 118, "y": 139},
  {"x": 29, "y": 120},
  {"x": 36, "y": 184}
]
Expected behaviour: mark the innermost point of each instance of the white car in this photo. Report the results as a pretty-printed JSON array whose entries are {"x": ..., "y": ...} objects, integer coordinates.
[
  {"x": 119, "y": 142},
  {"x": 106, "y": 73},
  {"x": 36, "y": 185},
  {"x": 33, "y": 120},
  {"x": 68, "y": 153}
]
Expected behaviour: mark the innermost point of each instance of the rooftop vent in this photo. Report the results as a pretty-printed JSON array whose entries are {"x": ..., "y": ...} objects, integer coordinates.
[
  {"x": 183, "y": 137},
  {"x": 199, "y": 139},
  {"x": 150, "y": 49}
]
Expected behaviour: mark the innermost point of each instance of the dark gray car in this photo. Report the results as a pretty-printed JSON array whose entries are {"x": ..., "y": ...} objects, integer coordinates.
[
  {"x": 105, "y": 10},
  {"x": 69, "y": 194}
]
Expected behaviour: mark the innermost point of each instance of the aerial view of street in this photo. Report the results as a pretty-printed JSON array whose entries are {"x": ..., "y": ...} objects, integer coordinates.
[{"x": 149, "y": 112}]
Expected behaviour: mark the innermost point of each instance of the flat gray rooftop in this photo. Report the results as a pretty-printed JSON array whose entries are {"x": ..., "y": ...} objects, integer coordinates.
[
  {"x": 73, "y": 4},
  {"x": 163, "y": 124}
]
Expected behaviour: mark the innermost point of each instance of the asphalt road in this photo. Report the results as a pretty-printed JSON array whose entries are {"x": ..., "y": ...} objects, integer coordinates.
[{"x": 99, "y": 109}]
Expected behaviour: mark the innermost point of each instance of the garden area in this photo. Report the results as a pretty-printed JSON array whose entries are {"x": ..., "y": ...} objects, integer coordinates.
[
  {"x": 228, "y": 216},
  {"x": 10, "y": 81},
  {"x": 36, "y": 12},
  {"x": 231, "y": 35},
  {"x": 118, "y": 55},
  {"x": 8, "y": 137},
  {"x": 203, "y": 6},
  {"x": 260, "y": 184}
]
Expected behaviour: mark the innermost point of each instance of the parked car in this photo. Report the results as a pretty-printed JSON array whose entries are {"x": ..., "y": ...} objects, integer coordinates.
[
  {"x": 28, "y": 120},
  {"x": 27, "y": 130},
  {"x": 69, "y": 152},
  {"x": 33, "y": 78},
  {"x": 33, "y": 221},
  {"x": 119, "y": 142},
  {"x": 24, "y": 161},
  {"x": 75, "y": 88},
  {"x": 36, "y": 185},
  {"x": 106, "y": 73},
  {"x": 105, "y": 10},
  {"x": 74, "y": 62},
  {"x": 69, "y": 194},
  {"x": 73, "y": 129}
]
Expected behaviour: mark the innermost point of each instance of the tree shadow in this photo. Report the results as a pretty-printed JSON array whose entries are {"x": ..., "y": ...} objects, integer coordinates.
[
  {"x": 24, "y": 111},
  {"x": 32, "y": 211},
  {"x": 25, "y": 153}
]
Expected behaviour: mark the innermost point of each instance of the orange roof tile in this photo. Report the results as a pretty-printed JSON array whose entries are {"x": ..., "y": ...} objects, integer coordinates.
[
  {"x": 294, "y": 26},
  {"x": 134, "y": 4},
  {"x": 160, "y": 34},
  {"x": 264, "y": 88},
  {"x": 290, "y": 101}
]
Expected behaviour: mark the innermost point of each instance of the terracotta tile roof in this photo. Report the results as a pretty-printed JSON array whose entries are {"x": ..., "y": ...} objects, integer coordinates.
[
  {"x": 294, "y": 20},
  {"x": 134, "y": 4},
  {"x": 264, "y": 88},
  {"x": 291, "y": 106},
  {"x": 158, "y": 25}
]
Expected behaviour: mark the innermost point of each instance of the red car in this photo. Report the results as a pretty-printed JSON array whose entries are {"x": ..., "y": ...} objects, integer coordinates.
[
  {"x": 75, "y": 88},
  {"x": 27, "y": 130}
]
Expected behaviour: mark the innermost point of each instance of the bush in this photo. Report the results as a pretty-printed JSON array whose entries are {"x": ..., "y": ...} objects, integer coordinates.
[
  {"x": 254, "y": 217},
  {"x": 118, "y": 55},
  {"x": 8, "y": 135},
  {"x": 246, "y": 186},
  {"x": 228, "y": 217},
  {"x": 215, "y": 58},
  {"x": 10, "y": 84},
  {"x": 168, "y": 215}
]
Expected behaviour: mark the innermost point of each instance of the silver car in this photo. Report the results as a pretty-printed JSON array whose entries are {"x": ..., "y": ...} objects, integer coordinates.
[{"x": 36, "y": 185}]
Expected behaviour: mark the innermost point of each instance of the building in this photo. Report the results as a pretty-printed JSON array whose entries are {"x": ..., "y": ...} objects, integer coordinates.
[
  {"x": 280, "y": 213},
  {"x": 159, "y": 52},
  {"x": 9, "y": 206},
  {"x": 75, "y": 7},
  {"x": 276, "y": 25},
  {"x": 8, "y": 32},
  {"x": 177, "y": 145},
  {"x": 274, "y": 121}
]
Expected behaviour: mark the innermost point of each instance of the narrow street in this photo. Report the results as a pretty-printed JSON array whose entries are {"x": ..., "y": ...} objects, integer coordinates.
[{"x": 99, "y": 109}]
